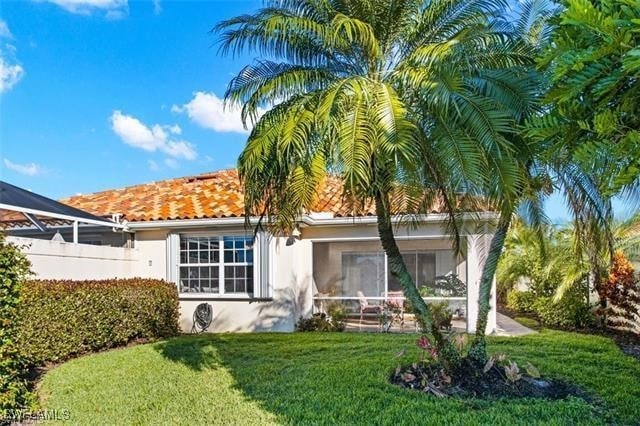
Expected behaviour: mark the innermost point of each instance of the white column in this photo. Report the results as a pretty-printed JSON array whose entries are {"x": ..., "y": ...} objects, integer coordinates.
[
  {"x": 75, "y": 232},
  {"x": 477, "y": 249}
]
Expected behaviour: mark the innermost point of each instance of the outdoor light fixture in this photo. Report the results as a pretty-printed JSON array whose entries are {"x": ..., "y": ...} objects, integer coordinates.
[{"x": 295, "y": 236}]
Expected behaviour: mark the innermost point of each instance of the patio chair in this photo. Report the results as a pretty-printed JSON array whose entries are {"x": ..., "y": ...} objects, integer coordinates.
[
  {"x": 202, "y": 318},
  {"x": 365, "y": 307}
]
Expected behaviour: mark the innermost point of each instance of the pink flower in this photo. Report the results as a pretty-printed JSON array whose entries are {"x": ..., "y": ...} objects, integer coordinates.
[
  {"x": 423, "y": 343},
  {"x": 434, "y": 353}
]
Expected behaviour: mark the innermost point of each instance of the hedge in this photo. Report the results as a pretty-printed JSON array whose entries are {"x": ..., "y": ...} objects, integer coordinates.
[
  {"x": 61, "y": 319},
  {"x": 14, "y": 385},
  {"x": 521, "y": 301}
]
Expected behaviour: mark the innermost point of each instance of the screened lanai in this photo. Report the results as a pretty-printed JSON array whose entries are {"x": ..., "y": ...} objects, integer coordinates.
[
  {"x": 25, "y": 213},
  {"x": 355, "y": 274}
]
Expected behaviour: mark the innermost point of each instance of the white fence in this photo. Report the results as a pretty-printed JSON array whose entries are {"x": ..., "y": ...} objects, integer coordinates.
[{"x": 58, "y": 260}]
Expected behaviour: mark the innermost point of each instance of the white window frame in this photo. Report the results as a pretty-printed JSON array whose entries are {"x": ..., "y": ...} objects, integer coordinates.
[{"x": 221, "y": 265}]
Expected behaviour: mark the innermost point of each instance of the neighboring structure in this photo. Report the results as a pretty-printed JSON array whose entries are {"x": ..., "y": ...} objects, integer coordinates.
[
  {"x": 42, "y": 226},
  {"x": 191, "y": 231}
]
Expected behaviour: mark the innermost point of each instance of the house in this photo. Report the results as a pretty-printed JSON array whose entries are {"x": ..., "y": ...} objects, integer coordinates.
[{"x": 191, "y": 231}]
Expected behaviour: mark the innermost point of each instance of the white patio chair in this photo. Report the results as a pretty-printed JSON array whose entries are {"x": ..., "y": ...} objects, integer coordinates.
[{"x": 365, "y": 307}]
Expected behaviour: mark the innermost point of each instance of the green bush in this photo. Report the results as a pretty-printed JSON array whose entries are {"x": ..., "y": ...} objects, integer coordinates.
[
  {"x": 62, "y": 319},
  {"x": 14, "y": 269},
  {"x": 333, "y": 320},
  {"x": 521, "y": 301},
  {"x": 571, "y": 311},
  {"x": 442, "y": 314}
]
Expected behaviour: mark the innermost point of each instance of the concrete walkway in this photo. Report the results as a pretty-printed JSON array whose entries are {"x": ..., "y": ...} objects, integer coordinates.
[{"x": 505, "y": 326}]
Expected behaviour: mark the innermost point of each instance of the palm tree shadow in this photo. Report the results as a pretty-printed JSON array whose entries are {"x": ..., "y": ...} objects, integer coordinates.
[
  {"x": 294, "y": 382},
  {"x": 196, "y": 352}
]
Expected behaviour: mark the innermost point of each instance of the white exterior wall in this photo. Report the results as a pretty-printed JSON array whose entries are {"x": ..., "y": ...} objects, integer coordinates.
[
  {"x": 477, "y": 249},
  {"x": 56, "y": 260},
  {"x": 291, "y": 277},
  {"x": 152, "y": 246}
]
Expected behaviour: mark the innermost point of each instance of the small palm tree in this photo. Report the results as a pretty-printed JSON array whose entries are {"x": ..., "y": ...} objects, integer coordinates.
[{"x": 406, "y": 101}]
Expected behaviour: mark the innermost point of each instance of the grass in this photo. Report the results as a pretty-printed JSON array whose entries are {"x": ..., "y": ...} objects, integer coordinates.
[
  {"x": 532, "y": 323},
  {"x": 338, "y": 378}
]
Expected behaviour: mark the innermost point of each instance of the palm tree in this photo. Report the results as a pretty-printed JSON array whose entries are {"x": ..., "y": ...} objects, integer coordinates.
[
  {"x": 405, "y": 100},
  {"x": 530, "y": 31}
]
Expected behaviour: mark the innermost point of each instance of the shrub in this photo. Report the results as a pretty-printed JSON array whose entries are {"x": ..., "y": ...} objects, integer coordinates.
[
  {"x": 317, "y": 322},
  {"x": 622, "y": 291},
  {"x": 14, "y": 269},
  {"x": 333, "y": 320},
  {"x": 521, "y": 301},
  {"x": 442, "y": 315},
  {"x": 61, "y": 319},
  {"x": 571, "y": 311}
]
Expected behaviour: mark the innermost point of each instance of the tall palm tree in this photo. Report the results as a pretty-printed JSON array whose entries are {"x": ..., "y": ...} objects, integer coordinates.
[
  {"x": 405, "y": 100},
  {"x": 530, "y": 30}
]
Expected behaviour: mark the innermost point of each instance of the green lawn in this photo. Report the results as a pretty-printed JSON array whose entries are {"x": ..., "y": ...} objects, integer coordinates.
[{"x": 338, "y": 378}]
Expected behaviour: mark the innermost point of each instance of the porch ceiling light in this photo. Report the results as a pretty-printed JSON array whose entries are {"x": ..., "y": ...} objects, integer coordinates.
[
  {"x": 296, "y": 233},
  {"x": 295, "y": 236}
]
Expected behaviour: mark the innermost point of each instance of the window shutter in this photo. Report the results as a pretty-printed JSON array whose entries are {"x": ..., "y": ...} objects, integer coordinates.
[
  {"x": 173, "y": 245},
  {"x": 262, "y": 266}
]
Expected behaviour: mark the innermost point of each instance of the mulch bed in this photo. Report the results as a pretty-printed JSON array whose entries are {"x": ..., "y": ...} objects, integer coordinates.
[
  {"x": 472, "y": 382},
  {"x": 628, "y": 342}
]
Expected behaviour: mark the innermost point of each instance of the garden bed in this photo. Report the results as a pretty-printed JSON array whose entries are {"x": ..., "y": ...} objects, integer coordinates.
[{"x": 472, "y": 382}]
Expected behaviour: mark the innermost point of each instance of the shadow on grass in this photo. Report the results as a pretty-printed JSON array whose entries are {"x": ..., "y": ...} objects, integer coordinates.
[
  {"x": 196, "y": 352},
  {"x": 341, "y": 378}
]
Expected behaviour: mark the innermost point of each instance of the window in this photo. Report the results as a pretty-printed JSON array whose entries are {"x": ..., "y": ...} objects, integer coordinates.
[
  {"x": 216, "y": 264},
  {"x": 363, "y": 272},
  {"x": 421, "y": 266}
]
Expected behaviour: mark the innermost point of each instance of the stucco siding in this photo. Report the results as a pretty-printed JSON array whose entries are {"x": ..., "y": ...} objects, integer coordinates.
[{"x": 58, "y": 260}]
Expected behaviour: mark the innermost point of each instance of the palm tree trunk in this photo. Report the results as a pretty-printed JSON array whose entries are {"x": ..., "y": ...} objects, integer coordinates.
[
  {"x": 399, "y": 270},
  {"x": 478, "y": 351}
]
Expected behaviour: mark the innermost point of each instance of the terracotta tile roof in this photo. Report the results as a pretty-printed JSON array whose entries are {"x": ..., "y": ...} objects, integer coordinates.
[
  {"x": 11, "y": 219},
  {"x": 211, "y": 195}
]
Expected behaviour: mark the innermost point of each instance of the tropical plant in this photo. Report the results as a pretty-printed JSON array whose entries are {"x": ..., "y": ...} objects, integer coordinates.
[
  {"x": 622, "y": 290},
  {"x": 627, "y": 238},
  {"x": 589, "y": 127},
  {"x": 592, "y": 106},
  {"x": 530, "y": 29},
  {"x": 406, "y": 101},
  {"x": 592, "y": 120}
]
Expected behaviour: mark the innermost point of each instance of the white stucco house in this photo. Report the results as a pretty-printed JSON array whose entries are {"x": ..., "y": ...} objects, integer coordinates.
[{"x": 191, "y": 231}]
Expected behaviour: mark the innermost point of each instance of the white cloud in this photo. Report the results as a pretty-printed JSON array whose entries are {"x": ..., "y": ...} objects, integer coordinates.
[
  {"x": 114, "y": 15},
  {"x": 30, "y": 169},
  {"x": 10, "y": 74},
  {"x": 157, "y": 7},
  {"x": 135, "y": 133},
  {"x": 207, "y": 110},
  {"x": 180, "y": 149},
  {"x": 153, "y": 166},
  {"x": 114, "y": 9},
  {"x": 171, "y": 163},
  {"x": 4, "y": 30}
]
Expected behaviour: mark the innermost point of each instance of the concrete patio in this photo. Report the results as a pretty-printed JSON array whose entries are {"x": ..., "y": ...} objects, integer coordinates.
[{"x": 505, "y": 326}]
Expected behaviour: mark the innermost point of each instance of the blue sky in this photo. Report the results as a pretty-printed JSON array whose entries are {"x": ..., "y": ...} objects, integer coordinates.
[{"x": 99, "y": 94}]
